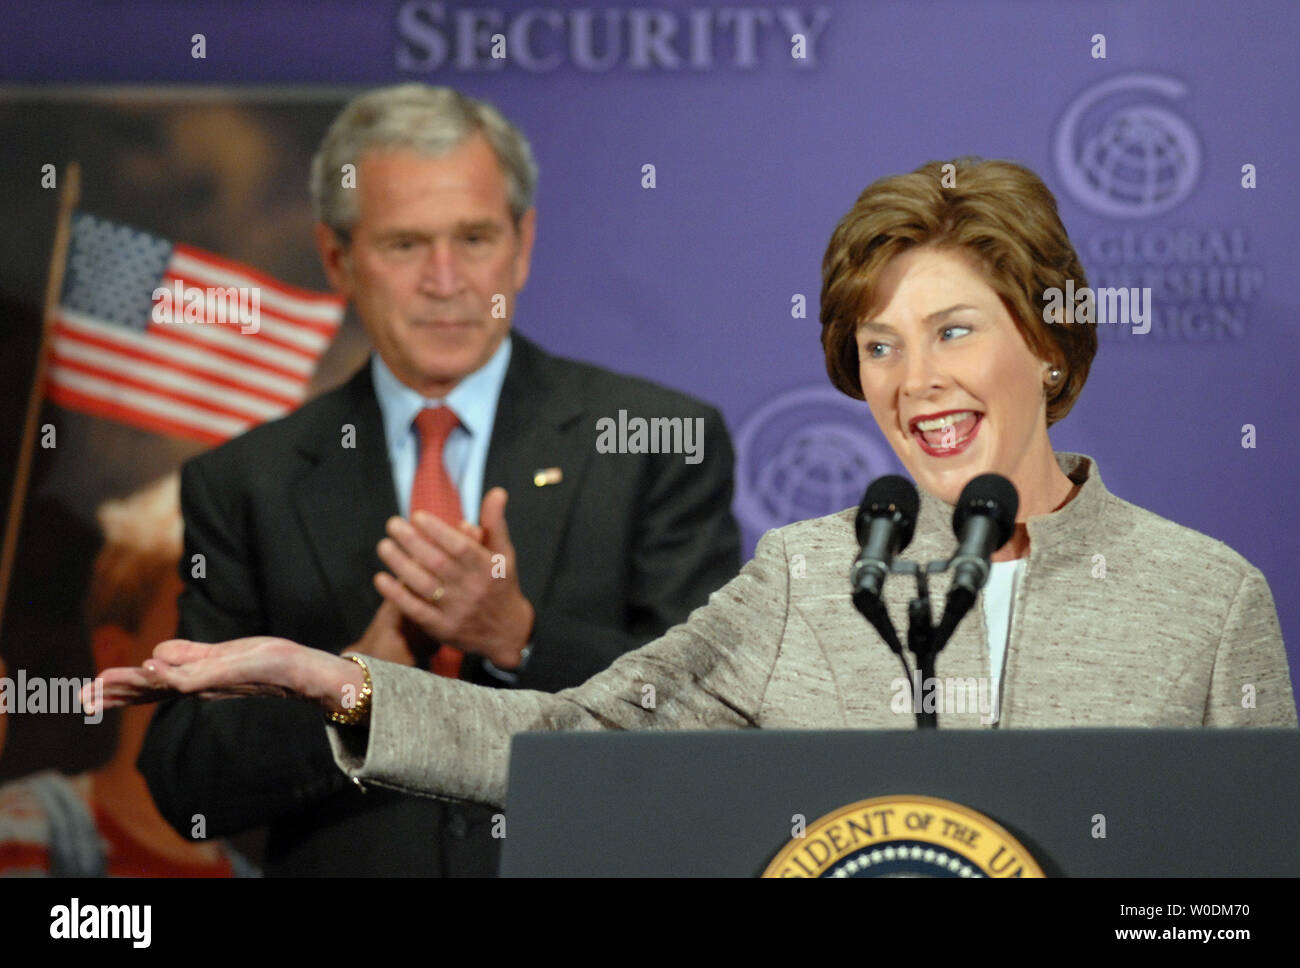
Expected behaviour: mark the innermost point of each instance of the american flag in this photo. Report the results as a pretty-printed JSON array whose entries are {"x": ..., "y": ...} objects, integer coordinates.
[{"x": 179, "y": 341}]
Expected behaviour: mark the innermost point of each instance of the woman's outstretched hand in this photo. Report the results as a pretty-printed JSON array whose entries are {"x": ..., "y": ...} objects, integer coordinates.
[{"x": 256, "y": 666}]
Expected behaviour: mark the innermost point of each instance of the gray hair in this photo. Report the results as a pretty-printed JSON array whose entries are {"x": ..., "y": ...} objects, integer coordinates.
[{"x": 420, "y": 118}]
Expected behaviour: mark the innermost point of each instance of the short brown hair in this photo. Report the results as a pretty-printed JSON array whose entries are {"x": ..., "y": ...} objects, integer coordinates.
[{"x": 999, "y": 212}]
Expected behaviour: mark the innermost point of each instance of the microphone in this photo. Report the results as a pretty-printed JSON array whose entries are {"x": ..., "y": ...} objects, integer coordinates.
[
  {"x": 884, "y": 525},
  {"x": 984, "y": 520}
]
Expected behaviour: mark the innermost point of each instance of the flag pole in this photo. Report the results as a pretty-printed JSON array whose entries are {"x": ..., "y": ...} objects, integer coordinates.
[{"x": 69, "y": 195}]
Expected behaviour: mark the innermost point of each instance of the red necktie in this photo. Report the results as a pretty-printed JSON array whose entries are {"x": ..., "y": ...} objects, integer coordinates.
[{"x": 433, "y": 491}]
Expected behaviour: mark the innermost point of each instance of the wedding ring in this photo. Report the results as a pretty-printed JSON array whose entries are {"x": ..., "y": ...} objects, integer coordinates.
[{"x": 438, "y": 593}]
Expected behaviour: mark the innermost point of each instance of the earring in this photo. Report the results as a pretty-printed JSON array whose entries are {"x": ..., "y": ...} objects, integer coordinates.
[{"x": 1053, "y": 375}]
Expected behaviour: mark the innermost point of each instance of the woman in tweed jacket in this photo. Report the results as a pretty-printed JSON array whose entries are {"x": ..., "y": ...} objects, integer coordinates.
[{"x": 937, "y": 310}]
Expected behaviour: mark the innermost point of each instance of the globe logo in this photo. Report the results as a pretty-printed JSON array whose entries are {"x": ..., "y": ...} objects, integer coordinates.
[
  {"x": 807, "y": 453},
  {"x": 1123, "y": 159}
]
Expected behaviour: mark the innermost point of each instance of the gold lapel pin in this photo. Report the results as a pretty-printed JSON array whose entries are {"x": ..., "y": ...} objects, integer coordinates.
[{"x": 548, "y": 475}]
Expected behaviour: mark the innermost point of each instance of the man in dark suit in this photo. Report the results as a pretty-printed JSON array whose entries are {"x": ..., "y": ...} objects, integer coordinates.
[{"x": 424, "y": 201}]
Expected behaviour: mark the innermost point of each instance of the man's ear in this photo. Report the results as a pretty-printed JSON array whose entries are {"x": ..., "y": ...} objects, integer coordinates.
[
  {"x": 334, "y": 259},
  {"x": 527, "y": 229}
]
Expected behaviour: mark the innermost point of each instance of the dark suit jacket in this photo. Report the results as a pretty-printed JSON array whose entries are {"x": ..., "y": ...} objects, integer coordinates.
[{"x": 287, "y": 518}]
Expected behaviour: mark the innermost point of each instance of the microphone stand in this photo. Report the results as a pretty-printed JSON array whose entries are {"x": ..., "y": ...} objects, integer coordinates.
[
  {"x": 993, "y": 502},
  {"x": 920, "y": 639},
  {"x": 924, "y": 641}
]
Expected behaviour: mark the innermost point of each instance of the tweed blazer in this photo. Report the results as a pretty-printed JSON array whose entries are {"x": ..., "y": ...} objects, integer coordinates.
[{"x": 1122, "y": 619}]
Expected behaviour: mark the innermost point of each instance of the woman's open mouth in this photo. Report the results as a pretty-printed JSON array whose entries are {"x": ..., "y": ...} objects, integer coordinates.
[{"x": 948, "y": 434}]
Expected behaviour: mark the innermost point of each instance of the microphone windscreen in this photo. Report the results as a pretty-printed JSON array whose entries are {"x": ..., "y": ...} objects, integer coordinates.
[
  {"x": 990, "y": 494},
  {"x": 889, "y": 495}
]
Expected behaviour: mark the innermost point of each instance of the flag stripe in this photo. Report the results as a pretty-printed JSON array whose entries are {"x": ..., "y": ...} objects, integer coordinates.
[
  {"x": 276, "y": 386},
  {"x": 93, "y": 351},
  {"x": 230, "y": 342},
  {"x": 72, "y": 400},
  {"x": 106, "y": 398},
  {"x": 143, "y": 376},
  {"x": 268, "y": 325},
  {"x": 323, "y": 310}
]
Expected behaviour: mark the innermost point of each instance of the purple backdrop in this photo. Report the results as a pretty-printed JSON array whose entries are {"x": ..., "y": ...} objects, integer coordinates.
[{"x": 757, "y": 154}]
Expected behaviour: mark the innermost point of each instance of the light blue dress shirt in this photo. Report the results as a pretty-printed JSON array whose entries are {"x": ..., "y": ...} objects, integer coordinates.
[{"x": 474, "y": 399}]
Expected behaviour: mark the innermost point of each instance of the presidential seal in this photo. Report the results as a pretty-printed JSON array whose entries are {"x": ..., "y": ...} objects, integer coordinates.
[{"x": 904, "y": 836}]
